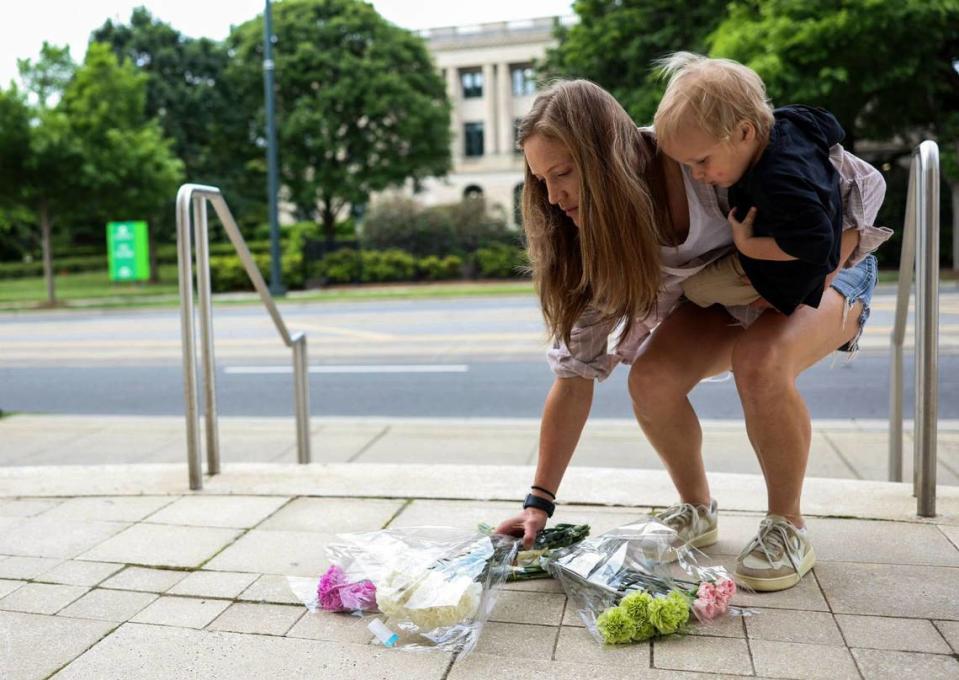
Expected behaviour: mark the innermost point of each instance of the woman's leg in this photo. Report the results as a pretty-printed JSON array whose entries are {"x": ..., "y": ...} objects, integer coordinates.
[
  {"x": 691, "y": 344},
  {"x": 766, "y": 361}
]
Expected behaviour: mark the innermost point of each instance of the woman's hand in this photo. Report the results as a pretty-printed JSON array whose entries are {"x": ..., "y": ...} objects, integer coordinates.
[{"x": 527, "y": 524}]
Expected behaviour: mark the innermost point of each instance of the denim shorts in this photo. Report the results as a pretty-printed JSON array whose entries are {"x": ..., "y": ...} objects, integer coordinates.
[{"x": 857, "y": 284}]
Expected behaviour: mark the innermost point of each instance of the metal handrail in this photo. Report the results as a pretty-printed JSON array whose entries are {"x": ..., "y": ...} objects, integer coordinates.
[
  {"x": 198, "y": 195},
  {"x": 920, "y": 248}
]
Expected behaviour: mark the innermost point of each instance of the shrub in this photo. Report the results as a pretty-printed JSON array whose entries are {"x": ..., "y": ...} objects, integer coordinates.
[
  {"x": 457, "y": 228},
  {"x": 386, "y": 265},
  {"x": 342, "y": 266},
  {"x": 500, "y": 261},
  {"x": 433, "y": 268}
]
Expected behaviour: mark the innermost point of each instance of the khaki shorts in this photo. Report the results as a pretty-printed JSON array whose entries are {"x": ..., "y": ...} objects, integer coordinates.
[{"x": 722, "y": 282}]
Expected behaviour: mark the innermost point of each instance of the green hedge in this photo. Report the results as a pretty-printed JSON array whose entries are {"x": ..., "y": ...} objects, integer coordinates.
[
  {"x": 61, "y": 265},
  {"x": 441, "y": 230},
  {"x": 500, "y": 261}
]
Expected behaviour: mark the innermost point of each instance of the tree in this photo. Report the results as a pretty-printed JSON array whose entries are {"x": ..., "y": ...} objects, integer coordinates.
[
  {"x": 128, "y": 170},
  {"x": 47, "y": 77},
  {"x": 187, "y": 93},
  {"x": 360, "y": 106},
  {"x": 885, "y": 69},
  {"x": 41, "y": 149},
  {"x": 14, "y": 150},
  {"x": 615, "y": 44}
]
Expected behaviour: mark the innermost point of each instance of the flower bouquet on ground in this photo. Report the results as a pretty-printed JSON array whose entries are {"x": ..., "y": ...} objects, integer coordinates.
[
  {"x": 530, "y": 564},
  {"x": 433, "y": 586},
  {"x": 632, "y": 583}
]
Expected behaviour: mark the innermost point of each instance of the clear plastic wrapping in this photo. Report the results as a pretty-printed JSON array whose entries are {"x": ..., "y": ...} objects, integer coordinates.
[
  {"x": 637, "y": 581},
  {"x": 434, "y": 587}
]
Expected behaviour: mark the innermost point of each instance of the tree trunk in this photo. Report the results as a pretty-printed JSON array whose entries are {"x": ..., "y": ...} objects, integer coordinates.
[
  {"x": 954, "y": 185},
  {"x": 47, "y": 241},
  {"x": 329, "y": 223},
  {"x": 152, "y": 245}
]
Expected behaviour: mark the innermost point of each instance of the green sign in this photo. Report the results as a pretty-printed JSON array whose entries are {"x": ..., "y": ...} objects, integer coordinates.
[{"x": 129, "y": 251}]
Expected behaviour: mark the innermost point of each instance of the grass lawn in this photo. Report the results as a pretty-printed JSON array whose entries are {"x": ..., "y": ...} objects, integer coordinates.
[
  {"x": 92, "y": 290},
  {"x": 32, "y": 291}
]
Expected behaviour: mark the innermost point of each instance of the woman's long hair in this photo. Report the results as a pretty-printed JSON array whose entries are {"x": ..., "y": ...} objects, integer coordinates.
[{"x": 613, "y": 260}]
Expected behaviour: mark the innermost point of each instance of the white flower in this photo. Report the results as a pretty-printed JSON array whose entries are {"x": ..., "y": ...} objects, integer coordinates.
[{"x": 430, "y": 600}]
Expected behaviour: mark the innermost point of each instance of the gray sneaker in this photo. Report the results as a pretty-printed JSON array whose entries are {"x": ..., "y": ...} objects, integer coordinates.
[
  {"x": 777, "y": 558},
  {"x": 696, "y": 526}
]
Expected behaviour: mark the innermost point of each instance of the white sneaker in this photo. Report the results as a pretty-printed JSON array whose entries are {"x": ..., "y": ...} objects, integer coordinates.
[
  {"x": 777, "y": 558},
  {"x": 696, "y": 526}
]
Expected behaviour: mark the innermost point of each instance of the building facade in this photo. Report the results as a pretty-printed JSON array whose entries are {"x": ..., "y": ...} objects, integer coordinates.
[{"x": 488, "y": 70}]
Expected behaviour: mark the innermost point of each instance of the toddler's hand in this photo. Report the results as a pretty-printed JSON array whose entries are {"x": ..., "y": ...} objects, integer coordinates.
[{"x": 742, "y": 230}]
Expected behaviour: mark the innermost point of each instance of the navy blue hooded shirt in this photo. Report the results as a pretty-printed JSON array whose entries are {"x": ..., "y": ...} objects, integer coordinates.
[{"x": 796, "y": 192}]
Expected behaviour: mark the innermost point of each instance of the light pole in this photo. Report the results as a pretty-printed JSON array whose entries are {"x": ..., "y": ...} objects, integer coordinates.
[{"x": 276, "y": 283}]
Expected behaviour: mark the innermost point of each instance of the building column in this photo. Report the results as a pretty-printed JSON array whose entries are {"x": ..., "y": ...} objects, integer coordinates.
[
  {"x": 456, "y": 124},
  {"x": 490, "y": 142},
  {"x": 505, "y": 112}
]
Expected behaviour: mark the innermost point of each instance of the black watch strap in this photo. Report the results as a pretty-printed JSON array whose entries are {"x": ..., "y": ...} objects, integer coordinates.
[{"x": 540, "y": 503}]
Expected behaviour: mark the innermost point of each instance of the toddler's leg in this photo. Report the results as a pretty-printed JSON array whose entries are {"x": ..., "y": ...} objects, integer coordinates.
[{"x": 722, "y": 282}]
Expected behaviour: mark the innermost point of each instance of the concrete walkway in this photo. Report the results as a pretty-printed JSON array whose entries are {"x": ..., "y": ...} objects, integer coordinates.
[{"x": 110, "y": 569}]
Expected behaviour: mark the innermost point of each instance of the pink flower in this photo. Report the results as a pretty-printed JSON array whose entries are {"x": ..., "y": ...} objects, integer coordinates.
[
  {"x": 327, "y": 591},
  {"x": 726, "y": 588},
  {"x": 708, "y": 593},
  {"x": 707, "y": 610},
  {"x": 360, "y": 596}
]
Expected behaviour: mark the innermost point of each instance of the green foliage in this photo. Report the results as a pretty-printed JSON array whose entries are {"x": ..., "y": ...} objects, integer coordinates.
[
  {"x": 500, "y": 261},
  {"x": 47, "y": 77},
  {"x": 386, "y": 265},
  {"x": 615, "y": 43},
  {"x": 187, "y": 91},
  {"x": 64, "y": 265},
  {"x": 433, "y": 268},
  {"x": 341, "y": 266},
  {"x": 360, "y": 106},
  {"x": 458, "y": 228},
  {"x": 883, "y": 68},
  {"x": 129, "y": 169}
]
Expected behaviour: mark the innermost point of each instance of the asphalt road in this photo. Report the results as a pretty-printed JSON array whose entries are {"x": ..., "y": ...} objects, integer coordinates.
[{"x": 434, "y": 358}]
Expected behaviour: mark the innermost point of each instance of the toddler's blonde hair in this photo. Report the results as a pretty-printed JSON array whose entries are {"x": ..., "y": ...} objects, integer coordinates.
[{"x": 715, "y": 95}]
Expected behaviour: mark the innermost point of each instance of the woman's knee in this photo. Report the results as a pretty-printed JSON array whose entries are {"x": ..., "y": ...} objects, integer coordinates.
[
  {"x": 760, "y": 368},
  {"x": 652, "y": 383}
]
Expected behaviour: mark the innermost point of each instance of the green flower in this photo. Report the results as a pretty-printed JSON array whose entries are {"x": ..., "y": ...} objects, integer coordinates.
[
  {"x": 669, "y": 613},
  {"x": 615, "y": 626},
  {"x": 636, "y": 605}
]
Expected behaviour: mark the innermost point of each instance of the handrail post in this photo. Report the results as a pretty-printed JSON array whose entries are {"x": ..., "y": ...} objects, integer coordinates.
[
  {"x": 301, "y": 395},
  {"x": 906, "y": 264},
  {"x": 927, "y": 330},
  {"x": 188, "y": 335},
  {"x": 195, "y": 196},
  {"x": 204, "y": 295},
  {"x": 920, "y": 249}
]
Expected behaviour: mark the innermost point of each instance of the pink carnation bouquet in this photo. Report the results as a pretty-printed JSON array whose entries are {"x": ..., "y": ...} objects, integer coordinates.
[{"x": 335, "y": 593}]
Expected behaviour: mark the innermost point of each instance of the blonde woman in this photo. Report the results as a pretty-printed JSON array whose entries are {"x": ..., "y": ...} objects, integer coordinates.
[{"x": 613, "y": 228}]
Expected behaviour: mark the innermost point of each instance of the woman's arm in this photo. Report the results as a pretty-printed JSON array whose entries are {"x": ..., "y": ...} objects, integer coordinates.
[{"x": 564, "y": 416}]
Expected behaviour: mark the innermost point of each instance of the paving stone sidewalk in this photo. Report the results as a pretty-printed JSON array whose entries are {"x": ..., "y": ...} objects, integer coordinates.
[
  {"x": 119, "y": 572},
  {"x": 841, "y": 449}
]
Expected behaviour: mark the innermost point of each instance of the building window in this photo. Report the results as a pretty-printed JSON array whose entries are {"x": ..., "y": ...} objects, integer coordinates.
[
  {"x": 518, "y": 205},
  {"x": 472, "y": 191},
  {"x": 473, "y": 136},
  {"x": 472, "y": 83},
  {"x": 516, "y": 123},
  {"x": 524, "y": 82}
]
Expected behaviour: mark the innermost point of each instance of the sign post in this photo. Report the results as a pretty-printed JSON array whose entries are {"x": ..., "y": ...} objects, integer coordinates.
[{"x": 129, "y": 251}]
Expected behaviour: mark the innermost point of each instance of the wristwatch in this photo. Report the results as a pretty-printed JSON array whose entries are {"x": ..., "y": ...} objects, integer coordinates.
[{"x": 540, "y": 503}]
